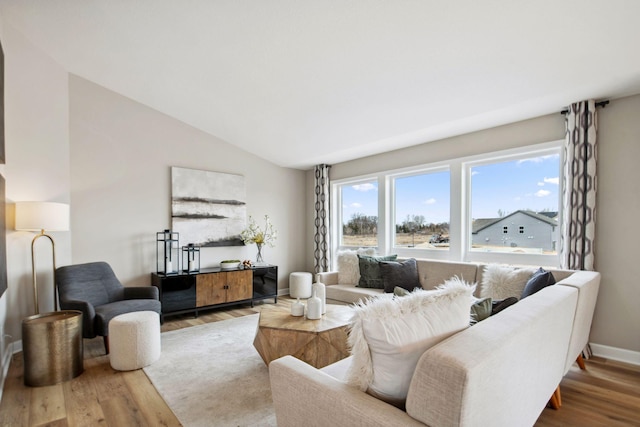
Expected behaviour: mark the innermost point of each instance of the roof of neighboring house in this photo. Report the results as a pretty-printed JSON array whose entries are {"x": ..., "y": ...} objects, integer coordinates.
[
  {"x": 550, "y": 214},
  {"x": 482, "y": 223}
]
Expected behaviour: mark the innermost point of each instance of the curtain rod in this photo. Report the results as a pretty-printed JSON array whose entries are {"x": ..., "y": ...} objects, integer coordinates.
[{"x": 598, "y": 104}]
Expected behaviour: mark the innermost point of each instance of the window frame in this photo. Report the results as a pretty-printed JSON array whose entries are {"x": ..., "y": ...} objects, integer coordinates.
[
  {"x": 459, "y": 211},
  {"x": 336, "y": 209},
  {"x": 527, "y": 152},
  {"x": 391, "y": 181}
]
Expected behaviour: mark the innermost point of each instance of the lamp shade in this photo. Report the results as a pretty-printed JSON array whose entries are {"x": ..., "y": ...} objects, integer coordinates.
[{"x": 36, "y": 216}]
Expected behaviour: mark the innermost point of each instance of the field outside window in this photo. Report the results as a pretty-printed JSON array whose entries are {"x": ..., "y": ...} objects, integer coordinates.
[
  {"x": 422, "y": 205},
  {"x": 359, "y": 214}
]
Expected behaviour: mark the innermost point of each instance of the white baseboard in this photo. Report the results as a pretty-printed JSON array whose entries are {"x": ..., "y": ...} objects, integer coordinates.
[{"x": 614, "y": 353}]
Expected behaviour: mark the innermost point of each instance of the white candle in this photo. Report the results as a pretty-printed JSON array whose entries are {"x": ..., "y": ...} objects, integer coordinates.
[{"x": 169, "y": 267}]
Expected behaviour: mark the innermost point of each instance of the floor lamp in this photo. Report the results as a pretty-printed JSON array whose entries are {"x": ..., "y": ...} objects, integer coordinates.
[{"x": 41, "y": 216}]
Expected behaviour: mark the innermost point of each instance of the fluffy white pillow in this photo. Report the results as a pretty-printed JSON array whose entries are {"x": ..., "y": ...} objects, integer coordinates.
[
  {"x": 349, "y": 267},
  {"x": 500, "y": 282},
  {"x": 388, "y": 335}
]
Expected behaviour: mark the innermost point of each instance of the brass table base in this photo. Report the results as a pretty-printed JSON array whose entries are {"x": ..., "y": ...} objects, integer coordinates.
[{"x": 52, "y": 347}]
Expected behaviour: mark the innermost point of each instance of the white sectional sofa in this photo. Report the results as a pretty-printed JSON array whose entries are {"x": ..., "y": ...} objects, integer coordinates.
[{"x": 501, "y": 371}]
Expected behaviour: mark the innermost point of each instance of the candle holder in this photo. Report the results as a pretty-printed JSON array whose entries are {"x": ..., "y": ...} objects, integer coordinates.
[
  {"x": 167, "y": 257},
  {"x": 190, "y": 258}
]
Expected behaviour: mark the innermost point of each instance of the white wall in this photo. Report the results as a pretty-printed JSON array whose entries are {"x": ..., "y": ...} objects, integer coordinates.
[
  {"x": 121, "y": 158},
  {"x": 615, "y": 329},
  {"x": 37, "y": 168},
  {"x": 617, "y": 318}
]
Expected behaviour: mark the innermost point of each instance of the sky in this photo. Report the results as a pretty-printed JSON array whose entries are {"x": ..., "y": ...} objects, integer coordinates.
[
  {"x": 519, "y": 184},
  {"x": 507, "y": 186}
]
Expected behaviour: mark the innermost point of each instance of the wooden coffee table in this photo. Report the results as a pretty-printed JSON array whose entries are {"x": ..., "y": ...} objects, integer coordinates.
[{"x": 318, "y": 342}]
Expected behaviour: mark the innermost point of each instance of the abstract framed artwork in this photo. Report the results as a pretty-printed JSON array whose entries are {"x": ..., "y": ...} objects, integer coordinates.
[{"x": 208, "y": 209}]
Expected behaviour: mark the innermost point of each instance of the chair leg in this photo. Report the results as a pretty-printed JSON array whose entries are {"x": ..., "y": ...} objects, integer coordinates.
[
  {"x": 581, "y": 364},
  {"x": 556, "y": 400},
  {"x": 106, "y": 343}
]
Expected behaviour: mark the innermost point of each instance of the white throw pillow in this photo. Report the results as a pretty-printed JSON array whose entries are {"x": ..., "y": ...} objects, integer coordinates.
[
  {"x": 500, "y": 282},
  {"x": 349, "y": 267},
  {"x": 388, "y": 335}
]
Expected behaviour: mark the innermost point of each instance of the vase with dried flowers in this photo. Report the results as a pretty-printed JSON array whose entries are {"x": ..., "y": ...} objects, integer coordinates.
[{"x": 260, "y": 236}]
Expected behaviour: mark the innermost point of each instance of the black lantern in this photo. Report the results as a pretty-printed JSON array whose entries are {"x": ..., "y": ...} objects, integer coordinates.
[
  {"x": 168, "y": 259},
  {"x": 190, "y": 258}
]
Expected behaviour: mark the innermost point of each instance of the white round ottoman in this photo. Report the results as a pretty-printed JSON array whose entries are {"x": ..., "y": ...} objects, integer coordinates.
[
  {"x": 300, "y": 285},
  {"x": 134, "y": 340}
]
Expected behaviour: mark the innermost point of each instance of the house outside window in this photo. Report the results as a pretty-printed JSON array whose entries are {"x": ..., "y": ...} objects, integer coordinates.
[{"x": 516, "y": 192}]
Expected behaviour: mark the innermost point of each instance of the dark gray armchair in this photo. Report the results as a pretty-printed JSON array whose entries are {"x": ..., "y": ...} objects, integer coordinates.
[{"x": 94, "y": 290}]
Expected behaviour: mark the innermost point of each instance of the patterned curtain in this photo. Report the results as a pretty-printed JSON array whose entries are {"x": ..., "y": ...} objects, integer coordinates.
[
  {"x": 321, "y": 238},
  {"x": 579, "y": 189}
]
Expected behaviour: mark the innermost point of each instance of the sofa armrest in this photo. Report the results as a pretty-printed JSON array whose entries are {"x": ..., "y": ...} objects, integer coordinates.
[
  {"x": 329, "y": 278},
  {"x": 499, "y": 372},
  {"x": 141, "y": 292},
  {"x": 587, "y": 283},
  {"x": 306, "y": 396}
]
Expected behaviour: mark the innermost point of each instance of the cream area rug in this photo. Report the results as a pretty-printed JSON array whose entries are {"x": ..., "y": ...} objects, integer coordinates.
[{"x": 211, "y": 375}]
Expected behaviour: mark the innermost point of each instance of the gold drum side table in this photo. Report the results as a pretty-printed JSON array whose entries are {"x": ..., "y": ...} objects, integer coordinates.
[{"x": 52, "y": 347}]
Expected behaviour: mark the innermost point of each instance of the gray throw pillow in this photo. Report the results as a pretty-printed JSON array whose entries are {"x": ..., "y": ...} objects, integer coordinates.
[
  {"x": 480, "y": 310},
  {"x": 370, "y": 270},
  {"x": 400, "y": 292},
  {"x": 401, "y": 274},
  {"x": 498, "y": 306},
  {"x": 539, "y": 280}
]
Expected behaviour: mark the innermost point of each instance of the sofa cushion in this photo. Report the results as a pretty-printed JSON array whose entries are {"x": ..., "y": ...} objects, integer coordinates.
[
  {"x": 370, "y": 276},
  {"x": 388, "y": 335},
  {"x": 348, "y": 265},
  {"x": 350, "y": 294},
  {"x": 402, "y": 274},
  {"x": 500, "y": 282},
  {"x": 540, "y": 279},
  {"x": 435, "y": 273},
  {"x": 339, "y": 369}
]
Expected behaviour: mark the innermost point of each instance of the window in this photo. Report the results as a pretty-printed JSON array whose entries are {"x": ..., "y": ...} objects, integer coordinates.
[
  {"x": 422, "y": 210},
  {"x": 496, "y": 207},
  {"x": 518, "y": 192},
  {"x": 358, "y": 211}
]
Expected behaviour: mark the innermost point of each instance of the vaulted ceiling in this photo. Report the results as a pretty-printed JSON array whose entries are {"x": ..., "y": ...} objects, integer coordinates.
[{"x": 301, "y": 82}]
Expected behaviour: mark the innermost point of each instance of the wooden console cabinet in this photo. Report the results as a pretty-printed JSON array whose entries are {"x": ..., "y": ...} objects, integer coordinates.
[
  {"x": 183, "y": 293},
  {"x": 223, "y": 287}
]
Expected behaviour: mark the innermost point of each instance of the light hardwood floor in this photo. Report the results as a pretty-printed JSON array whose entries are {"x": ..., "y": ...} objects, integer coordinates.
[{"x": 606, "y": 394}]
